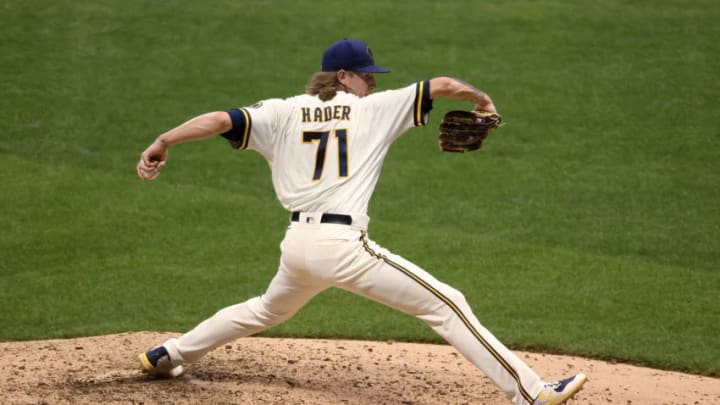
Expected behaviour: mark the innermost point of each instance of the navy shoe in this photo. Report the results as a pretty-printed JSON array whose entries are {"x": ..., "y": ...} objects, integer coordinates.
[
  {"x": 560, "y": 391},
  {"x": 156, "y": 362}
]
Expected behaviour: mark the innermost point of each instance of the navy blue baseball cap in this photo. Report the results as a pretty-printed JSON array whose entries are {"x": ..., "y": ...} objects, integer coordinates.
[{"x": 352, "y": 55}]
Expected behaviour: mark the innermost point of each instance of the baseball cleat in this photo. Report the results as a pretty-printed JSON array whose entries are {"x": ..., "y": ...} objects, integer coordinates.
[
  {"x": 156, "y": 362},
  {"x": 560, "y": 391}
]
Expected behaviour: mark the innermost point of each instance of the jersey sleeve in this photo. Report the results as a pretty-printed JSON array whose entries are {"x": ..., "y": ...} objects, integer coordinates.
[
  {"x": 239, "y": 134},
  {"x": 255, "y": 127},
  {"x": 422, "y": 104}
]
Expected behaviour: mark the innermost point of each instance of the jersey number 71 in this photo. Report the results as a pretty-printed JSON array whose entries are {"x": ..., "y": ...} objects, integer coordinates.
[{"x": 322, "y": 138}]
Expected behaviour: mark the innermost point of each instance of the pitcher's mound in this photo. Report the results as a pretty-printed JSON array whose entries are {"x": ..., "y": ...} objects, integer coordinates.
[{"x": 104, "y": 369}]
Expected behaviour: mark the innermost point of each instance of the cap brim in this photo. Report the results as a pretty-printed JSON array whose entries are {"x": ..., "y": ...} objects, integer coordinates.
[{"x": 372, "y": 69}]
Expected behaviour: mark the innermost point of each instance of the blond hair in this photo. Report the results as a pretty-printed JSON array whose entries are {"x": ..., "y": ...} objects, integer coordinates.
[{"x": 324, "y": 85}]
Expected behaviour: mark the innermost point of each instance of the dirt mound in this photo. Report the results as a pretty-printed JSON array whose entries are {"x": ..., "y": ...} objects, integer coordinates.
[{"x": 104, "y": 369}]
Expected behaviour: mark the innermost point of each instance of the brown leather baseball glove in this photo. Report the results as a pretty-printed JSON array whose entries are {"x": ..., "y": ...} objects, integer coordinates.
[{"x": 465, "y": 131}]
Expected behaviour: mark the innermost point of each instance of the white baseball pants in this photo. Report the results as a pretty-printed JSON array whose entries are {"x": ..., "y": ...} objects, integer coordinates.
[{"x": 317, "y": 256}]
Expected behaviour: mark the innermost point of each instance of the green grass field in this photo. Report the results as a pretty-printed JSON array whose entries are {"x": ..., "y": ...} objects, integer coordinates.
[{"x": 590, "y": 224}]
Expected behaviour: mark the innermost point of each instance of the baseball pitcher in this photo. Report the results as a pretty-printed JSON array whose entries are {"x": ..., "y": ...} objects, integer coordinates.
[{"x": 326, "y": 149}]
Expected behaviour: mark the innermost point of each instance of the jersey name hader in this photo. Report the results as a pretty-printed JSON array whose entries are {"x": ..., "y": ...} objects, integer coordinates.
[{"x": 323, "y": 114}]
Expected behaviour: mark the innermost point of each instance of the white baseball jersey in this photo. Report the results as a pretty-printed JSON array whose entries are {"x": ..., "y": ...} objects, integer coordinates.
[{"x": 326, "y": 156}]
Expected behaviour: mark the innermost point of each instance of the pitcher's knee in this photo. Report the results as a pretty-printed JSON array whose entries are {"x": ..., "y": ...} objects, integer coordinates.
[
  {"x": 453, "y": 298},
  {"x": 269, "y": 315},
  {"x": 450, "y": 305}
]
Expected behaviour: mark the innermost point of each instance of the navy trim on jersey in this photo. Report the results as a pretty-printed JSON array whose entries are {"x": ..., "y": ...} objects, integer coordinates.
[
  {"x": 454, "y": 307},
  {"x": 239, "y": 134},
  {"x": 423, "y": 103}
]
